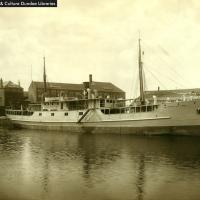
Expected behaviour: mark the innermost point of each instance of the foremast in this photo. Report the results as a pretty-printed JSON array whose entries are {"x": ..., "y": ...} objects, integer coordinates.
[
  {"x": 44, "y": 80},
  {"x": 140, "y": 64},
  {"x": 44, "y": 76}
]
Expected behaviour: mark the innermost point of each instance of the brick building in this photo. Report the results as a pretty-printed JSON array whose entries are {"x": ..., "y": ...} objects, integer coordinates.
[
  {"x": 36, "y": 90},
  {"x": 11, "y": 95},
  {"x": 104, "y": 89}
]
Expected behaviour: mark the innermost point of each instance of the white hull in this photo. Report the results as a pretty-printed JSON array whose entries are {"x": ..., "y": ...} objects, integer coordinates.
[{"x": 171, "y": 118}]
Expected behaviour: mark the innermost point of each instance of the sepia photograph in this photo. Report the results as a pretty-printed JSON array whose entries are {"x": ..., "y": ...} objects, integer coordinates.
[{"x": 99, "y": 100}]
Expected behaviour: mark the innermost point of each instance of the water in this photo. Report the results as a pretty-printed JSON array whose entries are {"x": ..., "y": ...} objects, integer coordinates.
[{"x": 56, "y": 166}]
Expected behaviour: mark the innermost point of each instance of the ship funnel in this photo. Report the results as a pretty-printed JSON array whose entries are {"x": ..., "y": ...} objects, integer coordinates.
[
  {"x": 1, "y": 83},
  {"x": 90, "y": 78}
]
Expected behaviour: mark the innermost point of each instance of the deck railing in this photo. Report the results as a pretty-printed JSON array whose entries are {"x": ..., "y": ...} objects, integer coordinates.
[{"x": 19, "y": 112}]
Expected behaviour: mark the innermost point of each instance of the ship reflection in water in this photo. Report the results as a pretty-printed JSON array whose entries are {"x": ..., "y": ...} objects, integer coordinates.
[{"x": 42, "y": 165}]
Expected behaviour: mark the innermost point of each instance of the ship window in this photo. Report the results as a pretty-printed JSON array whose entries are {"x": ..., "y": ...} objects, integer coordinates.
[
  {"x": 138, "y": 109},
  {"x": 40, "y": 114},
  {"x": 143, "y": 109},
  {"x": 52, "y": 114},
  {"x": 149, "y": 108},
  {"x": 80, "y": 113},
  {"x": 107, "y": 111},
  {"x": 66, "y": 114}
]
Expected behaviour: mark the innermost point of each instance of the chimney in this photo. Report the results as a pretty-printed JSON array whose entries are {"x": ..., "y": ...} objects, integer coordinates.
[
  {"x": 90, "y": 78},
  {"x": 1, "y": 83},
  {"x": 90, "y": 81}
]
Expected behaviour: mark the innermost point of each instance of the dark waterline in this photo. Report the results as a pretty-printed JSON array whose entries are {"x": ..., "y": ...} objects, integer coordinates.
[{"x": 58, "y": 166}]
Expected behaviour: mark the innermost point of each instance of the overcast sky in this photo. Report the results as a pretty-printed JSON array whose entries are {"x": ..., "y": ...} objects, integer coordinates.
[{"x": 100, "y": 37}]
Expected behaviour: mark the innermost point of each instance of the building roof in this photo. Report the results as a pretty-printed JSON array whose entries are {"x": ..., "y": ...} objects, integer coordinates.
[
  {"x": 64, "y": 86},
  {"x": 10, "y": 84},
  {"x": 106, "y": 87},
  {"x": 99, "y": 86}
]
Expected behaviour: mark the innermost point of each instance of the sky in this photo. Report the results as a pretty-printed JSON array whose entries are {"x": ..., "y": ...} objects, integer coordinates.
[{"x": 100, "y": 37}]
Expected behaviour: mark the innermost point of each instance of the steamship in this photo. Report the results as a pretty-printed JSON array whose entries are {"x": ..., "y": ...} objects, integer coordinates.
[{"x": 97, "y": 115}]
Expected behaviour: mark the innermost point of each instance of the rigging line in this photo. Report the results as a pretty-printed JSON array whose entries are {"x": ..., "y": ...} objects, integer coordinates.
[
  {"x": 131, "y": 87},
  {"x": 157, "y": 55},
  {"x": 145, "y": 82},
  {"x": 171, "y": 67},
  {"x": 170, "y": 55},
  {"x": 169, "y": 78},
  {"x": 136, "y": 87},
  {"x": 134, "y": 91},
  {"x": 183, "y": 78},
  {"x": 156, "y": 78},
  {"x": 161, "y": 58},
  {"x": 133, "y": 82}
]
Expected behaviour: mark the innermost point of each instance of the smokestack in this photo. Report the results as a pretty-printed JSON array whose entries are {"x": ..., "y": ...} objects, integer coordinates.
[
  {"x": 90, "y": 81},
  {"x": 90, "y": 78},
  {"x": 1, "y": 83}
]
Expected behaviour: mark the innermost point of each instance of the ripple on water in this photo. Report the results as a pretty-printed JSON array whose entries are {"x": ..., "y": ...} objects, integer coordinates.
[{"x": 50, "y": 165}]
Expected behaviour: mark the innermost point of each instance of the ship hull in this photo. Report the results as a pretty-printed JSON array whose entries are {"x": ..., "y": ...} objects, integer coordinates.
[
  {"x": 174, "y": 118},
  {"x": 112, "y": 128}
]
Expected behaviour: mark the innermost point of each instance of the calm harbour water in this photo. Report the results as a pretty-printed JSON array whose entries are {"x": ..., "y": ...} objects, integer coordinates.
[{"x": 58, "y": 166}]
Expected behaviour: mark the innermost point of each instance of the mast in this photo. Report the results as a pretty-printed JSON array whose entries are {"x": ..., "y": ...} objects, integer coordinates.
[
  {"x": 140, "y": 63},
  {"x": 44, "y": 77}
]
